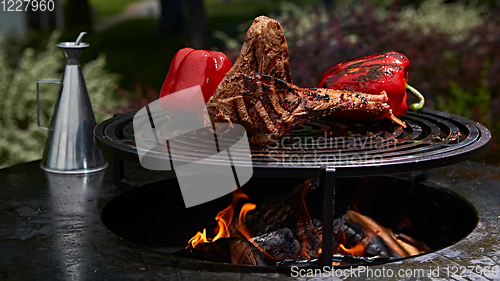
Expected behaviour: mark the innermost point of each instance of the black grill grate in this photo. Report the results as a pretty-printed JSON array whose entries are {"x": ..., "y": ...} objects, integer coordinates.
[{"x": 431, "y": 139}]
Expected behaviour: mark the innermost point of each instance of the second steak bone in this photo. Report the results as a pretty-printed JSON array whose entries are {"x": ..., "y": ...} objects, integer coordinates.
[{"x": 269, "y": 107}]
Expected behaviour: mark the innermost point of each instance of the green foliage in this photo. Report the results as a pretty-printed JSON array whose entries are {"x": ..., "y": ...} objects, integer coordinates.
[
  {"x": 110, "y": 7},
  {"x": 248, "y": 9},
  {"x": 21, "y": 139},
  {"x": 474, "y": 105},
  {"x": 101, "y": 85},
  {"x": 305, "y": 18},
  {"x": 453, "y": 19},
  {"x": 135, "y": 51}
]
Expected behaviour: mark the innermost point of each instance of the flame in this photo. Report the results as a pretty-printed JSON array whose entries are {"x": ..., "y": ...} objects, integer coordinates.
[
  {"x": 198, "y": 238},
  {"x": 224, "y": 219},
  {"x": 243, "y": 213},
  {"x": 357, "y": 250},
  {"x": 239, "y": 195}
]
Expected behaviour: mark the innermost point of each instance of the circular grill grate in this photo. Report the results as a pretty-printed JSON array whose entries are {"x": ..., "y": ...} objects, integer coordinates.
[{"x": 431, "y": 139}]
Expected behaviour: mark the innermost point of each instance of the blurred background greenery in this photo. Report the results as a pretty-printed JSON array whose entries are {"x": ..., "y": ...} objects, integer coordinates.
[{"x": 452, "y": 47}]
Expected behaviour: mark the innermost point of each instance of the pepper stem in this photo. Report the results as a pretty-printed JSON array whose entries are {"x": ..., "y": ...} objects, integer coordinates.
[{"x": 421, "y": 100}]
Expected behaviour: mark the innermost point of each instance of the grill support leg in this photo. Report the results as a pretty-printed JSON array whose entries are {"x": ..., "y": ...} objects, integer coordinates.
[
  {"x": 327, "y": 181},
  {"x": 119, "y": 175}
]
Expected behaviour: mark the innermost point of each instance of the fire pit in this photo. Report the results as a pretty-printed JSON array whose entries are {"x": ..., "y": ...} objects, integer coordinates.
[
  {"x": 154, "y": 217},
  {"x": 326, "y": 151},
  {"x": 51, "y": 228}
]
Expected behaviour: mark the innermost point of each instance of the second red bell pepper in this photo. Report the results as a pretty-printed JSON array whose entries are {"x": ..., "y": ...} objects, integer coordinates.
[{"x": 386, "y": 71}]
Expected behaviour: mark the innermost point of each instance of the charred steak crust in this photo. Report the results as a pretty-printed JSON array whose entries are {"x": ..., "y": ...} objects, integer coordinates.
[{"x": 269, "y": 107}]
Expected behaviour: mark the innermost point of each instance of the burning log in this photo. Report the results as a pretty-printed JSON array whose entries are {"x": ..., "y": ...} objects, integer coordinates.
[
  {"x": 422, "y": 247},
  {"x": 228, "y": 250},
  {"x": 287, "y": 216},
  {"x": 398, "y": 246},
  {"x": 355, "y": 241},
  {"x": 243, "y": 252},
  {"x": 377, "y": 230}
]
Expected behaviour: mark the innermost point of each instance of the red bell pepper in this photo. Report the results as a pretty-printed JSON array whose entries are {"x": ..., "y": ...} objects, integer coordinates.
[
  {"x": 386, "y": 71},
  {"x": 190, "y": 68}
]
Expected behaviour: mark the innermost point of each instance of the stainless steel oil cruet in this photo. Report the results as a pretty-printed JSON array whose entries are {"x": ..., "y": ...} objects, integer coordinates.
[{"x": 70, "y": 147}]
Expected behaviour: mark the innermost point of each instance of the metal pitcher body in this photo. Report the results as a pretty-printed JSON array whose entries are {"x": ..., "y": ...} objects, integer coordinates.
[{"x": 70, "y": 146}]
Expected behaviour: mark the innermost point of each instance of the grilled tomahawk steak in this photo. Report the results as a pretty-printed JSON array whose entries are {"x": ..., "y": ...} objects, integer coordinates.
[
  {"x": 269, "y": 107},
  {"x": 257, "y": 92}
]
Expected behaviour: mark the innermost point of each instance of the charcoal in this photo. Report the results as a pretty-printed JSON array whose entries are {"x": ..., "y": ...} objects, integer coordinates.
[
  {"x": 353, "y": 233},
  {"x": 378, "y": 247},
  {"x": 340, "y": 223},
  {"x": 280, "y": 244}
]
